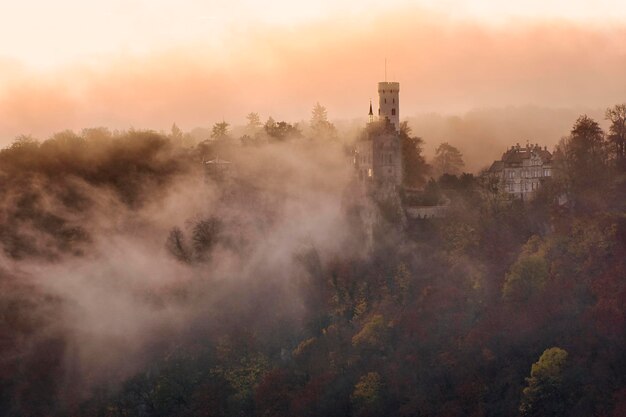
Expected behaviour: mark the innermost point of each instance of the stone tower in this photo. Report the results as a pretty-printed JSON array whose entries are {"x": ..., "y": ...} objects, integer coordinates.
[
  {"x": 389, "y": 102},
  {"x": 378, "y": 153}
]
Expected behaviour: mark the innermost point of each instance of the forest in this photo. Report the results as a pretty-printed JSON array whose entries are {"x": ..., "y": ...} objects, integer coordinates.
[{"x": 134, "y": 282}]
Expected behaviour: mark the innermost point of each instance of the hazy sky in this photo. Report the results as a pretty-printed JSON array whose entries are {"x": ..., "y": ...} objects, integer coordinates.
[{"x": 147, "y": 63}]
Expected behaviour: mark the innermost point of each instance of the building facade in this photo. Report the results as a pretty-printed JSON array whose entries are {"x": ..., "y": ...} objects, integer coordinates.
[{"x": 522, "y": 170}]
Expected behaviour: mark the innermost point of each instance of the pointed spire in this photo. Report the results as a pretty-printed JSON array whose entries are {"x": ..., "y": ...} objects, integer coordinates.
[{"x": 371, "y": 113}]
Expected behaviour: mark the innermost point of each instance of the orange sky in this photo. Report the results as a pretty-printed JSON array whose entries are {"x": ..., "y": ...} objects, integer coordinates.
[{"x": 147, "y": 64}]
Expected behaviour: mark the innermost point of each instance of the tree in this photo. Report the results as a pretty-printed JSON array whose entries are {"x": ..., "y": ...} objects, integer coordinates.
[
  {"x": 24, "y": 142},
  {"x": 368, "y": 395},
  {"x": 274, "y": 393},
  {"x": 448, "y": 160},
  {"x": 205, "y": 235},
  {"x": 373, "y": 334},
  {"x": 220, "y": 130},
  {"x": 414, "y": 166},
  {"x": 176, "y": 134},
  {"x": 96, "y": 134},
  {"x": 254, "y": 123},
  {"x": 617, "y": 133},
  {"x": 175, "y": 244},
  {"x": 320, "y": 125},
  {"x": 543, "y": 396},
  {"x": 527, "y": 276},
  {"x": 282, "y": 130},
  {"x": 581, "y": 158},
  {"x": 319, "y": 114}
]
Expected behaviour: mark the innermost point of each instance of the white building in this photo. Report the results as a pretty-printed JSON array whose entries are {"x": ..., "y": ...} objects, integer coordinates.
[{"x": 522, "y": 170}]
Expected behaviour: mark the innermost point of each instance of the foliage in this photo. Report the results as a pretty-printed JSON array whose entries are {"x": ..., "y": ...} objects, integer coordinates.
[
  {"x": 281, "y": 131},
  {"x": 448, "y": 160},
  {"x": 254, "y": 123},
  {"x": 526, "y": 278},
  {"x": 220, "y": 131},
  {"x": 373, "y": 333},
  {"x": 543, "y": 396},
  {"x": 414, "y": 166},
  {"x": 438, "y": 318},
  {"x": 581, "y": 160},
  {"x": 205, "y": 235},
  {"x": 176, "y": 245},
  {"x": 367, "y": 395},
  {"x": 320, "y": 126},
  {"x": 176, "y": 134},
  {"x": 617, "y": 133}
]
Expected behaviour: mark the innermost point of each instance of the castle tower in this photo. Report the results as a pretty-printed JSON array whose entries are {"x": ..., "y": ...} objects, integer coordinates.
[{"x": 389, "y": 102}]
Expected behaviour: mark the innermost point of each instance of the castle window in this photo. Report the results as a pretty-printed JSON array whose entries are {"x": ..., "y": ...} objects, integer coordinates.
[
  {"x": 393, "y": 112},
  {"x": 385, "y": 101},
  {"x": 393, "y": 100},
  {"x": 369, "y": 172}
]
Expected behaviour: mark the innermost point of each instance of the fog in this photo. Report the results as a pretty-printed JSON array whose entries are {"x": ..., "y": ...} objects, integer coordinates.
[
  {"x": 138, "y": 279},
  {"x": 483, "y": 135},
  {"x": 120, "y": 297}
]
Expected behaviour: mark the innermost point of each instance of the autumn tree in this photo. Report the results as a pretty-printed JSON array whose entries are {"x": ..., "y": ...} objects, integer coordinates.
[
  {"x": 414, "y": 166},
  {"x": 448, "y": 160},
  {"x": 368, "y": 396},
  {"x": 544, "y": 395},
  {"x": 617, "y": 133},
  {"x": 527, "y": 276},
  {"x": 581, "y": 158}
]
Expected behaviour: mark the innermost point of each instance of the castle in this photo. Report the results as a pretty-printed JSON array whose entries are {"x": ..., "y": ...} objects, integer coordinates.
[{"x": 378, "y": 153}]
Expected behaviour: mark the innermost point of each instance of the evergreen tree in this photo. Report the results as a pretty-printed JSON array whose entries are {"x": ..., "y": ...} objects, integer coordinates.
[
  {"x": 320, "y": 125},
  {"x": 220, "y": 131},
  {"x": 254, "y": 123}
]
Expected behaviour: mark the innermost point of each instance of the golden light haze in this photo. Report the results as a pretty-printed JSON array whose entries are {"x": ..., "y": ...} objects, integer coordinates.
[{"x": 147, "y": 64}]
